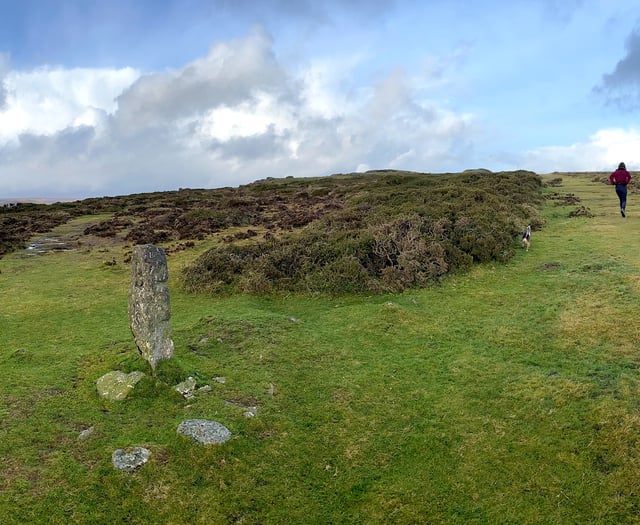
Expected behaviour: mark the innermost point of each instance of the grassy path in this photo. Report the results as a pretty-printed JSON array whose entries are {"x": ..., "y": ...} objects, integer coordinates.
[{"x": 506, "y": 395}]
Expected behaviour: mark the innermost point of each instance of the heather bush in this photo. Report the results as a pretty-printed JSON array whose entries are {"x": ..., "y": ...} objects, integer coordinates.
[{"x": 389, "y": 232}]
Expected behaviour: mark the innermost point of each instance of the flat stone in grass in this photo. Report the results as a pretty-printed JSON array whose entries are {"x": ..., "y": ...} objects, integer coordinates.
[
  {"x": 86, "y": 433},
  {"x": 187, "y": 387},
  {"x": 130, "y": 460},
  {"x": 204, "y": 431},
  {"x": 116, "y": 385}
]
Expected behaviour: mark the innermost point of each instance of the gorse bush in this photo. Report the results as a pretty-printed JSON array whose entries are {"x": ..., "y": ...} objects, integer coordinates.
[{"x": 388, "y": 232}]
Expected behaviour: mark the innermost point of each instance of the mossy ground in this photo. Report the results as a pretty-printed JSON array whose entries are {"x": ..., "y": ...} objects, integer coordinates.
[{"x": 509, "y": 394}]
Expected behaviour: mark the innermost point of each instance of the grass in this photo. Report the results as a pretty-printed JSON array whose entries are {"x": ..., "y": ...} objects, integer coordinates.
[{"x": 509, "y": 394}]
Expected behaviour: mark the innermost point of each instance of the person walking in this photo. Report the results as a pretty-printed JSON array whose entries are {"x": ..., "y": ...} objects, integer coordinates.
[{"x": 621, "y": 177}]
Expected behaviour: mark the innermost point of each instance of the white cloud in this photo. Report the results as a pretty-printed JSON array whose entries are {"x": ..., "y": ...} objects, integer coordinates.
[
  {"x": 602, "y": 152},
  {"x": 326, "y": 87},
  {"x": 230, "y": 117},
  {"x": 231, "y": 73},
  {"x": 92, "y": 117},
  {"x": 45, "y": 101},
  {"x": 251, "y": 117}
]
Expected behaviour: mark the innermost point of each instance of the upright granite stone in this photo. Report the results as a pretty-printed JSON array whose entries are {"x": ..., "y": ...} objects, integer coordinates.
[{"x": 149, "y": 307}]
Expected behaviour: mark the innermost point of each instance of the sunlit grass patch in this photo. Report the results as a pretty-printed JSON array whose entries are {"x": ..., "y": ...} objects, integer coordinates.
[{"x": 593, "y": 322}]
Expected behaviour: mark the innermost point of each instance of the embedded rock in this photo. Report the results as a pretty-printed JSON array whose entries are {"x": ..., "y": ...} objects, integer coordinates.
[
  {"x": 149, "y": 306},
  {"x": 204, "y": 431},
  {"x": 130, "y": 460},
  {"x": 86, "y": 433},
  {"x": 116, "y": 385},
  {"x": 187, "y": 387}
]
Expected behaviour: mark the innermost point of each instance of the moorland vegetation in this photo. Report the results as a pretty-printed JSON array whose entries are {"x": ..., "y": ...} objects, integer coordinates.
[
  {"x": 506, "y": 393},
  {"x": 381, "y": 231}
]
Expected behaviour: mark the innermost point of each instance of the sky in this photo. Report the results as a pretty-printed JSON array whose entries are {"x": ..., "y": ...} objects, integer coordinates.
[{"x": 112, "y": 97}]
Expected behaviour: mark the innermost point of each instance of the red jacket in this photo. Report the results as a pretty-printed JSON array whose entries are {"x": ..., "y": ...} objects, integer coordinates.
[{"x": 620, "y": 177}]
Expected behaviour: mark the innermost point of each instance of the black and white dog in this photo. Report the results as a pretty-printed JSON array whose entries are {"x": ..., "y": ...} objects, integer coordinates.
[{"x": 526, "y": 238}]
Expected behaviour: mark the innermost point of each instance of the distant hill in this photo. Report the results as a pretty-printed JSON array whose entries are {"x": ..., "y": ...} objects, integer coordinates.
[
  {"x": 33, "y": 200},
  {"x": 383, "y": 230}
]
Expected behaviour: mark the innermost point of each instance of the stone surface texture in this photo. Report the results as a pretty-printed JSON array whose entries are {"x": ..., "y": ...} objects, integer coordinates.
[
  {"x": 131, "y": 459},
  {"x": 187, "y": 387},
  {"x": 116, "y": 385},
  {"x": 149, "y": 305},
  {"x": 204, "y": 431}
]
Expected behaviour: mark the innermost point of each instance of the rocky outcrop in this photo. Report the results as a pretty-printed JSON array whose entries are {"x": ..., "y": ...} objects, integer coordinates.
[{"x": 149, "y": 305}]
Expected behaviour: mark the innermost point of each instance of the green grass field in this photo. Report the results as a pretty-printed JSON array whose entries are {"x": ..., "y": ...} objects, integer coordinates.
[{"x": 509, "y": 394}]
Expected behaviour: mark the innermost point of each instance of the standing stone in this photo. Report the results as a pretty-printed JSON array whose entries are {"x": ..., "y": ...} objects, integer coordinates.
[{"x": 149, "y": 307}]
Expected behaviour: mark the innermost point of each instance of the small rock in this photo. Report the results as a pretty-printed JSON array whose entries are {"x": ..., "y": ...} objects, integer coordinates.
[
  {"x": 251, "y": 412},
  {"x": 86, "y": 433},
  {"x": 220, "y": 380},
  {"x": 204, "y": 431},
  {"x": 130, "y": 460},
  {"x": 271, "y": 390},
  {"x": 116, "y": 385},
  {"x": 205, "y": 389},
  {"x": 293, "y": 320},
  {"x": 187, "y": 387}
]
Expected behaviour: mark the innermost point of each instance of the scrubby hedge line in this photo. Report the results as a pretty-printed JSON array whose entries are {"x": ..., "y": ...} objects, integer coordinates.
[{"x": 393, "y": 232}]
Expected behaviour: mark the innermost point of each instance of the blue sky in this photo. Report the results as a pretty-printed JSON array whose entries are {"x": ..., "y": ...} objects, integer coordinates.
[{"x": 121, "y": 96}]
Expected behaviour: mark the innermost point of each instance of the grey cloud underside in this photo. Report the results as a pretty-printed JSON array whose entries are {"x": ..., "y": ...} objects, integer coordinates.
[
  {"x": 263, "y": 146},
  {"x": 228, "y": 75},
  {"x": 622, "y": 86}
]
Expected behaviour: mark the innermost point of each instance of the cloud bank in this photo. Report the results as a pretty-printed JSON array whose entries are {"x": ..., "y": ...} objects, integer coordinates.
[
  {"x": 601, "y": 152},
  {"x": 235, "y": 115},
  {"x": 240, "y": 111}
]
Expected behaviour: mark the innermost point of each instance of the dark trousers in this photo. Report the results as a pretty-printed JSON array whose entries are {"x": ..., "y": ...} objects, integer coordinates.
[{"x": 621, "y": 191}]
